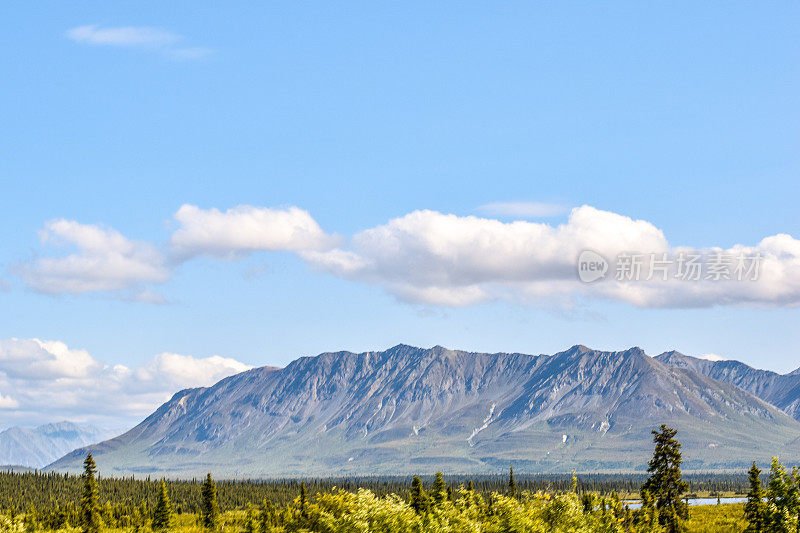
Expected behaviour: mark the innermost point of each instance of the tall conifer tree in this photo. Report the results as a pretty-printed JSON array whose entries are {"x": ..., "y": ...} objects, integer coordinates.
[
  {"x": 439, "y": 490},
  {"x": 90, "y": 508},
  {"x": 419, "y": 500},
  {"x": 303, "y": 499},
  {"x": 782, "y": 499},
  {"x": 162, "y": 514},
  {"x": 209, "y": 512},
  {"x": 665, "y": 483},
  {"x": 755, "y": 510},
  {"x": 512, "y": 485}
]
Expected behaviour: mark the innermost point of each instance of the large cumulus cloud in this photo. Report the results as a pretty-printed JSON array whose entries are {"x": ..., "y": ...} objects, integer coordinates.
[{"x": 44, "y": 380}]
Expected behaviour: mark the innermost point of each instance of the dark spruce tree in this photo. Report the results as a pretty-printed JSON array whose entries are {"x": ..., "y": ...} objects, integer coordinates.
[
  {"x": 162, "y": 514},
  {"x": 209, "y": 512},
  {"x": 439, "y": 490},
  {"x": 783, "y": 500},
  {"x": 303, "y": 500},
  {"x": 419, "y": 500},
  {"x": 665, "y": 483},
  {"x": 90, "y": 509},
  {"x": 755, "y": 510},
  {"x": 512, "y": 485}
]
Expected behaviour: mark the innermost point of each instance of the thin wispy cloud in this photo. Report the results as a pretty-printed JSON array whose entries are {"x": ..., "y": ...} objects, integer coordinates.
[
  {"x": 523, "y": 209},
  {"x": 141, "y": 37},
  {"x": 130, "y": 36}
]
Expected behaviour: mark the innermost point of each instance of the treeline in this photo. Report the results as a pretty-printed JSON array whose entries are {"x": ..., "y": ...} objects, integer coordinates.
[
  {"x": 595, "y": 483},
  {"x": 48, "y": 491},
  {"x": 35, "y": 501},
  {"x": 440, "y": 508}
]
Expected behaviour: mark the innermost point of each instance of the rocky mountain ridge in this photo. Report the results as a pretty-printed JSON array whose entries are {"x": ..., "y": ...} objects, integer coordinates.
[
  {"x": 780, "y": 390},
  {"x": 408, "y": 409}
]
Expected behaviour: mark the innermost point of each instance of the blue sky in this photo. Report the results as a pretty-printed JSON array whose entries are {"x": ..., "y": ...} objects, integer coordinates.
[{"x": 115, "y": 115}]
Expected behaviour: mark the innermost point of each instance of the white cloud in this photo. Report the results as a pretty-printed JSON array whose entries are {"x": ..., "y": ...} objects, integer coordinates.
[
  {"x": 132, "y": 36},
  {"x": 711, "y": 357},
  {"x": 142, "y": 37},
  {"x": 425, "y": 257},
  {"x": 434, "y": 258},
  {"x": 33, "y": 359},
  {"x": 105, "y": 260},
  {"x": 245, "y": 229},
  {"x": 181, "y": 371},
  {"x": 49, "y": 379},
  {"x": 6, "y": 402},
  {"x": 523, "y": 209}
]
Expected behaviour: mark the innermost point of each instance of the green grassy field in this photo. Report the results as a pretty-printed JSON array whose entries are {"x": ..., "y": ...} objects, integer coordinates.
[{"x": 727, "y": 518}]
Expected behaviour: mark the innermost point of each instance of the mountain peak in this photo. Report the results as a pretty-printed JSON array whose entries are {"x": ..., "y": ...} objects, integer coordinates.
[
  {"x": 676, "y": 358},
  {"x": 402, "y": 346},
  {"x": 636, "y": 350},
  {"x": 401, "y": 349},
  {"x": 671, "y": 353},
  {"x": 579, "y": 348},
  {"x": 441, "y": 350},
  {"x": 410, "y": 409}
]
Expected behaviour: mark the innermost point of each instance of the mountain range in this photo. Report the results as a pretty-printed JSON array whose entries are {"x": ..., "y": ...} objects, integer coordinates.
[
  {"x": 781, "y": 390},
  {"x": 409, "y": 410},
  {"x": 40, "y": 446}
]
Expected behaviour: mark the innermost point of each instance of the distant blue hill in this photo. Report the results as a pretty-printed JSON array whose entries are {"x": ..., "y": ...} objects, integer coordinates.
[{"x": 40, "y": 446}]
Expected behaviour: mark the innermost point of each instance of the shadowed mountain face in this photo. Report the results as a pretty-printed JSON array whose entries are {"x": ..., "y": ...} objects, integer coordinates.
[
  {"x": 780, "y": 390},
  {"x": 408, "y": 410},
  {"x": 39, "y": 446}
]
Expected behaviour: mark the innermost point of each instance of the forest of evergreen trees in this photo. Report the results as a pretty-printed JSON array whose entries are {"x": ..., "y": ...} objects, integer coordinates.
[
  {"x": 47, "y": 491},
  {"x": 47, "y": 501}
]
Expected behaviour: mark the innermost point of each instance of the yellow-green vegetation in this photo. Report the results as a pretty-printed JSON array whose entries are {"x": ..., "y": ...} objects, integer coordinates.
[
  {"x": 341, "y": 511},
  {"x": 437, "y": 507},
  {"x": 727, "y": 518}
]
